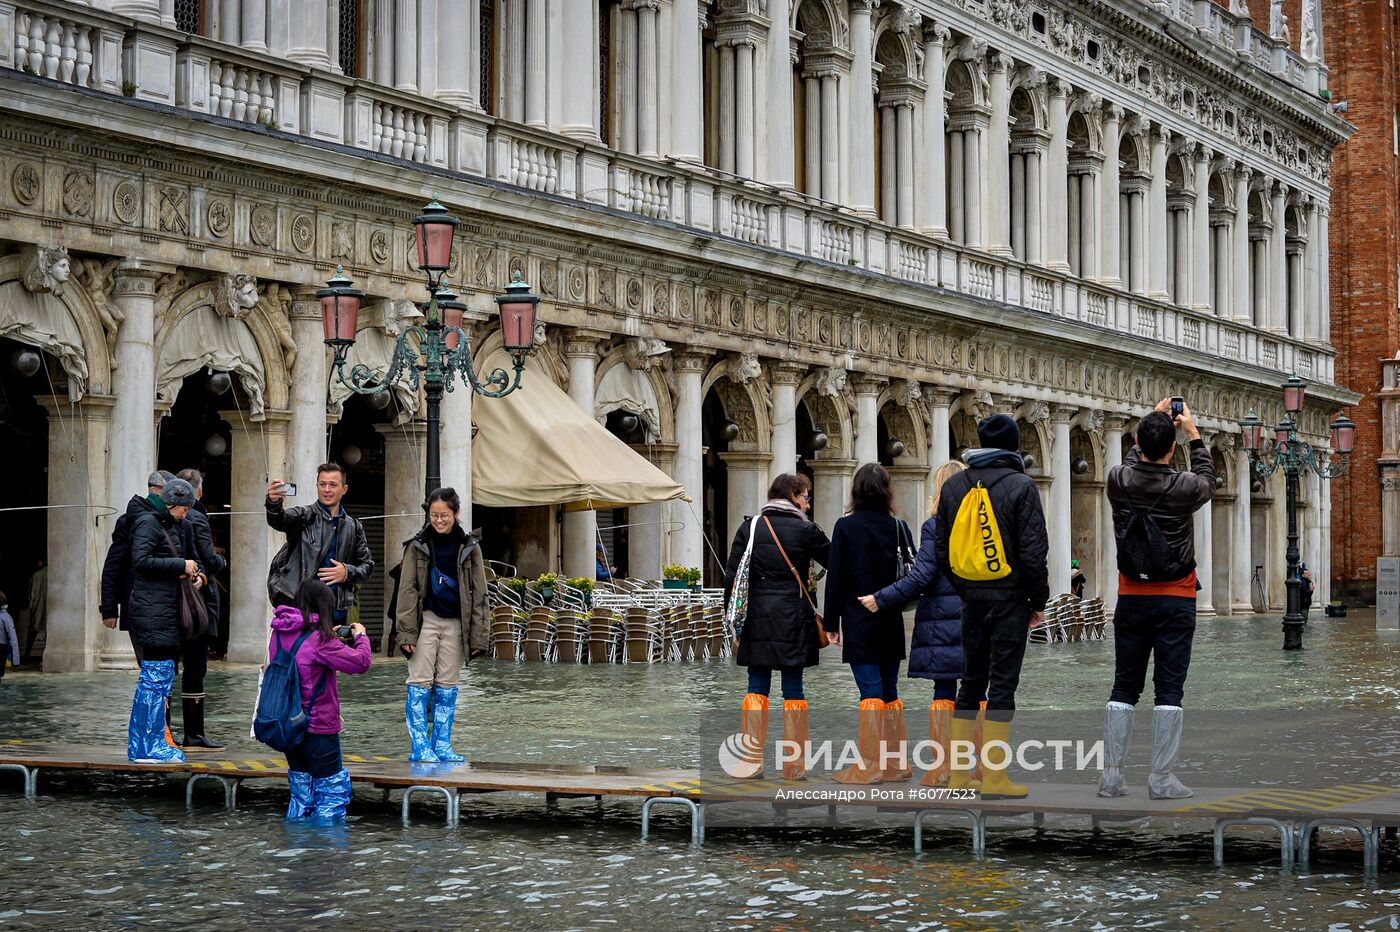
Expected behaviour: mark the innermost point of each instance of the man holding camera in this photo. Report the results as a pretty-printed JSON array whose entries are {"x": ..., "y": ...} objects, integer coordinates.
[
  {"x": 1156, "y": 613},
  {"x": 322, "y": 540}
]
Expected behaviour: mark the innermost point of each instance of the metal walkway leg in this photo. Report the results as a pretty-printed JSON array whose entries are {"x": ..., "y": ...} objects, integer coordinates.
[
  {"x": 979, "y": 828},
  {"x": 31, "y": 778},
  {"x": 697, "y": 815},
  {"x": 1370, "y": 840},
  {"x": 1285, "y": 837},
  {"x": 452, "y": 801},
  {"x": 230, "y": 785}
]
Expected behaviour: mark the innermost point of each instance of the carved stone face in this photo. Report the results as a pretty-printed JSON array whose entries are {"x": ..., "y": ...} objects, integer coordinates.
[
  {"x": 60, "y": 269},
  {"x": 540, "y": 336},
  {"x": 245, "y": 291}
]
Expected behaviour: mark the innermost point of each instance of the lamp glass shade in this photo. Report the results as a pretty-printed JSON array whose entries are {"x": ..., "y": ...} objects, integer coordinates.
[
  {"x": 1282, "y": 431},
  {"x": 340, "y": 309},
  {"x": 1293, "y": 391},
  {"x": 518, "y": 316},
  {"x": 1252, "y": 431},
  {"x": 1343, "y": 435},
  {"x": 453, "y": 313},
  {"x": 434, "y": 230}
]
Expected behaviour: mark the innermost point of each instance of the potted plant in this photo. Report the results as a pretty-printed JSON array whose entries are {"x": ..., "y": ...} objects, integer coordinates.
[
  {"x": 693, "y": 577},
  {"x": 518, "y": 585},
  {"x": 585, "y": 585},
  {"x": 675, "y": 576},
  {"x": 545, "y": 584}
]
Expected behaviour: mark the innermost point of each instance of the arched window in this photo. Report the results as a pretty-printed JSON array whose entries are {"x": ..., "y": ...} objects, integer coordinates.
[
  {"x": 1028, "y": 140},
  {"x": 1082, "y": 199},
  {"x": 899, "y": 92},
  {"x": 1220, "y": 246},
  {"x": 966, "y": 121},
  {"x": 1180, "y": 200},
  {"x": 1260, "y": 227},
  {"x": 821, "y": 67},
  {"x": 1134, "y": 182}
]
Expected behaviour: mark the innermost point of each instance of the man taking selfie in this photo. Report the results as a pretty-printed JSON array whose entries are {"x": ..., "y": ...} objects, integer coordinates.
[{"x": 322, "y": 541}]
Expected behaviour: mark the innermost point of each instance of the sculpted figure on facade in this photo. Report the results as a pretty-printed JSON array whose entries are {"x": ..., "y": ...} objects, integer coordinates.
[
  {"x": 95, "y": 277},
  {"x": 644, "y": 353},
  {"x": 46, "y": 269},
  {"x": 235, "y": 295},
  {"x": 1312, "y": 41}
]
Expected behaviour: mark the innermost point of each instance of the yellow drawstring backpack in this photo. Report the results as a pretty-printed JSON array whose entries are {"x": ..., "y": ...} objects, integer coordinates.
[{"x": 975, "y": 548}]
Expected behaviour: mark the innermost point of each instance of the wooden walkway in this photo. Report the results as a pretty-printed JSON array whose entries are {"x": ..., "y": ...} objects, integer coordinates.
[{"x": 1295, "y": 814}]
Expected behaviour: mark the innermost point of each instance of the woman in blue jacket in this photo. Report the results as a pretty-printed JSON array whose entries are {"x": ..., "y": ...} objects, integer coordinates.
[{"x": 936, "y": 651}]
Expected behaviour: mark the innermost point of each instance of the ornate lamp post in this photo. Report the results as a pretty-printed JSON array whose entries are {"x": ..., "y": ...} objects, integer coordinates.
[
  {"x": 438, "y": 353},
  {"x": 1294, "y": 456}
]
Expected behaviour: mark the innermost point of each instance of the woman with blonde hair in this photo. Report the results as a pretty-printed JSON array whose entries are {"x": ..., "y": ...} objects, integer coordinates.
[{"x": 936, "y": 650}]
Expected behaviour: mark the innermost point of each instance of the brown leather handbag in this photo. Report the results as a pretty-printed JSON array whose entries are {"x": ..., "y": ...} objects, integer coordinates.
[
  {"x": 822, "y": 639},
  {"x": 194, "y": 615}
]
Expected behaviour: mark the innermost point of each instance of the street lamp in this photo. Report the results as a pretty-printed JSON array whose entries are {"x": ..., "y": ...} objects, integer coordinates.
[
  {"x": 1294, "y": 456},
  {"x": 439, "y": 352}
]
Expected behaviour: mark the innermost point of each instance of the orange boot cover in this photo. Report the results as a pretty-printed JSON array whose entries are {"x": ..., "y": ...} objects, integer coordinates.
[
  {"x": 940, "y": 727},
  {"x": 977, "y": 738},
  {"x": 753, "y": 724},
  {"x": 894, "y": 751},
  {"x": 795, "y": 732},
  {"x": 872, "y": 719}
]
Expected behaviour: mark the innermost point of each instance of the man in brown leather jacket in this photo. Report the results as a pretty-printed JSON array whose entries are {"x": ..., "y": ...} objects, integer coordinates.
[{"x": 1155, "y": 616}]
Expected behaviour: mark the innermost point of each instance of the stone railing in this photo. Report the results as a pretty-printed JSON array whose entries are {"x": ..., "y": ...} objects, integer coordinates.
[
  {"x": 194, "y": 73},
  {"x": 1239, "y": 35}
]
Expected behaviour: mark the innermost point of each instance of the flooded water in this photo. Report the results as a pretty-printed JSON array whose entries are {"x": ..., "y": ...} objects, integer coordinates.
[{"x": 95, "y": 852}]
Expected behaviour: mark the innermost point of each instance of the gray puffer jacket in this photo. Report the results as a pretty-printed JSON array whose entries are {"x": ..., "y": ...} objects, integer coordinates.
[{"x": 310, "y": 530}]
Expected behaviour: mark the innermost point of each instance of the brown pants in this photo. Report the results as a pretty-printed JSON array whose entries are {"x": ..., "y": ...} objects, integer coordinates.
[{"x": 437, "y": 658}]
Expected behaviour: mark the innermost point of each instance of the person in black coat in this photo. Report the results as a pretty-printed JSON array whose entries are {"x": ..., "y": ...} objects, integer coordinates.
[
  {"x": 153, "y": 617},
  {"x": 866, "y": 545},
  {"x": 780, "y": 627},
  {"x": 117, "y": 573},
  {"x": 936, "y": 651},
  {"x": 195, "y": 651}
]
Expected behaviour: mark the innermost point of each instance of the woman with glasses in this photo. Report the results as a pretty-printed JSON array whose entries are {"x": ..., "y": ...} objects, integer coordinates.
[
  {"x": 441, "y": 621},
  {"x": 780, "y": 626}
]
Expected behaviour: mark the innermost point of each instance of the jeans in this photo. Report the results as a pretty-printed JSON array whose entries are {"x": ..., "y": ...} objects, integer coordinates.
[
  {"x": 877, "y": 680},
  {"x": 1157, "y": 626},
  {"x": 761, "y": 681},
  {"x": 318, "y": 755},
  {"x": 994, "y": 645}
]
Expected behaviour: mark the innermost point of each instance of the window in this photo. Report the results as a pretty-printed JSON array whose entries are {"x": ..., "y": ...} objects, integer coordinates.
[
  {"x": 189, "y": 16},
  {"x": 349, "y": 33},
  {"x": 488, "y": 56}
]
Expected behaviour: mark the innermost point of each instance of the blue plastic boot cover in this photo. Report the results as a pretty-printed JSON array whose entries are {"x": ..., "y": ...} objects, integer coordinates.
[
  {"x": 332, "y": 796},
  {"x": 416, "y": 716},
  {"x": 303, "y": 797},
  {"x": 145, "y": 733},
  {"x": 444, "y": 713}
]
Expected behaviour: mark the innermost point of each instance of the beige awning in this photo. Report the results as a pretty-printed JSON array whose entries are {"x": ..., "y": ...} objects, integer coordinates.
[{"x": 536, "y": 446}]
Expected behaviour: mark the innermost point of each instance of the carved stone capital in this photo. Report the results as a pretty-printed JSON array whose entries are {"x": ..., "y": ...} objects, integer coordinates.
[
  {"x": 787, "y": 373},
  {"x": 1062, "y": 414},
  {"x": 868, "y": 384},
  {"x": 691, "y": 359},
  {"x": 1060, "y": 88},
  {"x": 1113, "y": 113},
  {"x": 1001, "y": 63},
  {"x": 582, "y": 343},
  {"x": 136, "y": 277}
]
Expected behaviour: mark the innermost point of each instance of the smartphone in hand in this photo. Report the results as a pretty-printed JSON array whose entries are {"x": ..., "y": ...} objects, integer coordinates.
[
  {"x": 1178, "y": 406},
  {"x": 289, "y": 489}
]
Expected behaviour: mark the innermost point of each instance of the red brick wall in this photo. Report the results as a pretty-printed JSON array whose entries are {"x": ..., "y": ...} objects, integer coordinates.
[{"x": 1359, "y": 44}]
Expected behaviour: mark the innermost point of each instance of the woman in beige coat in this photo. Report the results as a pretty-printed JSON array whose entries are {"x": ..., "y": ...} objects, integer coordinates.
[{"x": 441, "y": 621}]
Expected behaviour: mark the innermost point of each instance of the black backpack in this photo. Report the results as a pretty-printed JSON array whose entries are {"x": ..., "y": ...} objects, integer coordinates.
[{"x": 1144, "y": 554}]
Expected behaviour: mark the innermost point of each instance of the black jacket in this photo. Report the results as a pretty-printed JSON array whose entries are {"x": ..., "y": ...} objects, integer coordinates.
[
  {"x": 779, "y": 629},
  {"x": 153, "y": 608},
  {"x": 935, "y": 651},
  {"x": 308, "y": 530},
  {"x": 117, "y": 574},
  {"x": 202, "y": 539},
  {"x": 863, "y": 557},
  {"x": 1177, "y": 495},
  {"x": 1021, "y": 519}
]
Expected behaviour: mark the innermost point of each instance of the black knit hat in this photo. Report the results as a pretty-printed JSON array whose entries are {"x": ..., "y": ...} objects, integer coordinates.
[{"x": 999, "y": 432}]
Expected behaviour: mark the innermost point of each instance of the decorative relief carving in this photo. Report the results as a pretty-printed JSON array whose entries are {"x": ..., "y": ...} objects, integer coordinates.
[
  {"x": 262, "y": 225},
  {"x": 712, "y": 313},
  {"x": 46, "y": 269},
  {"x": 644, "y": 353},
  {"x": 235, "y": 295},
  {"x": 77, "y": 194},
  {"x": 634, "y": 294},
  {"x": 126, "y": 201},
  {"x": 485, "y": 267},
  {"x": 24, "y": 181},
  {"x": 174, "y": 216},
  {"x": 661, "y": 300},
  {"x": 219, "y": 217},
  {"x": 736, "y": 313},
  {"x": 516, "y": 268},
  {"x": 95, "y": 277},
  {"x": 685, "y": 302},
  {"x": 303, "y": 233},
  {"x": 607, "y": 288},
  {"x": 743, "y": 368},
  {"x": 549, "y": 278},
  {"x": 343, "y": 243},
  {"x": 578, "y": 283}
]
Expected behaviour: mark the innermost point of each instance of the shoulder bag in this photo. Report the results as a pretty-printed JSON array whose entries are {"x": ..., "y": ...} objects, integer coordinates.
[
  {"x": 904, "y": 556},
  {"x": 822, "y": 639},
  {"x": 194, "y": 615},
  {"x": 737, "y": 611}
]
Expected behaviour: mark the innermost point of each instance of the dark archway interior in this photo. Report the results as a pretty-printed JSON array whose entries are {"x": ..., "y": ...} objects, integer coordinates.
[
  {"x": 716, "y": 506},
  {"x": 24, "y": 440}
]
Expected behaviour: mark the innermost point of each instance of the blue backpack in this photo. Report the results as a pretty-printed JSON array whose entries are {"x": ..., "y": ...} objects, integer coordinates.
[{"x": 280, "y": 721}]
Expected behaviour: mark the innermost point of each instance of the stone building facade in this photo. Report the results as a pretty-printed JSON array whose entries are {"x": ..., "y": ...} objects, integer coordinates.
[{"x": 792, "y": 234}]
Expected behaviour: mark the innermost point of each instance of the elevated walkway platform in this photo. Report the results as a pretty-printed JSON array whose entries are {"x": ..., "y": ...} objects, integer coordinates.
[{"x": 1295, "y": 814}]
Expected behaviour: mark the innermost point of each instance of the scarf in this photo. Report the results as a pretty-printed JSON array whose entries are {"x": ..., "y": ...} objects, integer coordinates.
[{"x": 782, "y": 504}]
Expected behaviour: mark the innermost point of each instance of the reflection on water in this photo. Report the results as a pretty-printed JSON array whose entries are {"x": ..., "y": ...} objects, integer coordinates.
[{"x": 101, "y": 852}]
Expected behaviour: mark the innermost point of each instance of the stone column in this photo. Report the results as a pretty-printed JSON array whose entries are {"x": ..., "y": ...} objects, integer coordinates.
[
  {"x": 1059, "y": 521},
  {"x": 310, "y": 40},
  {"x": 974, "y": 205},
  {"x": 306, "y": 430},
  {"x": 77, "y": 537},
  {"x": 455, "y": 447},
  {"x": 406, "y": 46},
  {"x": 1259, "y": 274},
  {"x": 830, "y": 148},
  {"x": 1113, "y": 425},
  {"x": 867, "y": 391},
  {"x": 404, "y": 457},
  {"x": 1297, "y": 309},
  {"x": 1224, "y": 288},
  {"x": 650, "y": 522},
  {"x": 687, "y": 81},
  {"x": 1201, "y": 527},
  {"x": 688, "y": 542},
  {"x": 999, "y": 155},
  {"x": 1157, "y": 226},
  {"x": 780, "y": 117},
  {"x": 1089, "y": 220},
  {"x": 904, "y": 134},
  {"x": 1185, "y": 274},
  {"x": 1278, "y": 263},
  {"x": 935, "y": 192},
  {"x": 861, "y": 165},
  {"x": 1035, "y": 227},
  {"x": 1242, "y": 570},
  {"x": 146, "y": 11},
  {"x": 581, "y": 527},
  {"x": 743, "y": 109},
  {"x": 1200, "y": 233},
  {"x": 253, "y": 30},
  {"x": 1323, "y": 576},
  {"x": 889, "y": 163},
  {"x": 258, "y": 455},
  {"x": 831, "y": 489},
  {"x": 648, "y": 128},
  {"x": 940, "y": 402},
  {"x": 514, "y": 57},
  {"x": 536, "y": 61},
  {"x": 748, "y": 490},
  {"x": 728, "y": 107},
  {"x": 1241, "y": 311},
  {"x": 1324, "y": 272},
  {"x": 1057, "y": 179},
  {"x": 1313, "y": 298},
  {"x": 381, "y": 44},
  {"x": 785, "y": 378},
  {"x": 1109, "y": 206},
  {"x": 459, "y": 25}
]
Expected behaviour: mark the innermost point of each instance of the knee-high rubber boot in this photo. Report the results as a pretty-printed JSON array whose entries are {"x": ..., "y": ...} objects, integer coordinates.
[
  {"x": 195, "y": 738},
  {"x": 996, "y": 784},
  {"x": 753, "y": 726},
  {"x": 940, "y": 728},
  {"x": 977, "y": 740},
  {"x": 1167, "y": 722},
  {"x": 144, "y": 740},
  {"x": 1117, "y": 729},
  {"x": 962, "y": 753},
  {"x": 872, "y": 720},
  {"x": 303, "y": 798},
  {"x": 332, "y": 796},
  {"x": 415, "y": 713},
  {"x": 444, "y": 714},
  {"x": 894, "y": 748},
  {"x": 797, "y": 737}
]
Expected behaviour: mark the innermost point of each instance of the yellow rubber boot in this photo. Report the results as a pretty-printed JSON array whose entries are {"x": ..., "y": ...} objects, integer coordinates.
[
  {"x": 795, "y": 731},
  {"x": 996, "y": 784},
  {"x": 940, "y": 726},
  {"x": 753, "y": 724},
  {"x": 895, "y": 746},
  {"x": 872, "y": 716},
  {"x": 963, "y": 730}
]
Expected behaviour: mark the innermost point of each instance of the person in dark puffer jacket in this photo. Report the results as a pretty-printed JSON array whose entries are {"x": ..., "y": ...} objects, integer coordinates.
[{"x": 935, "y": 652}]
